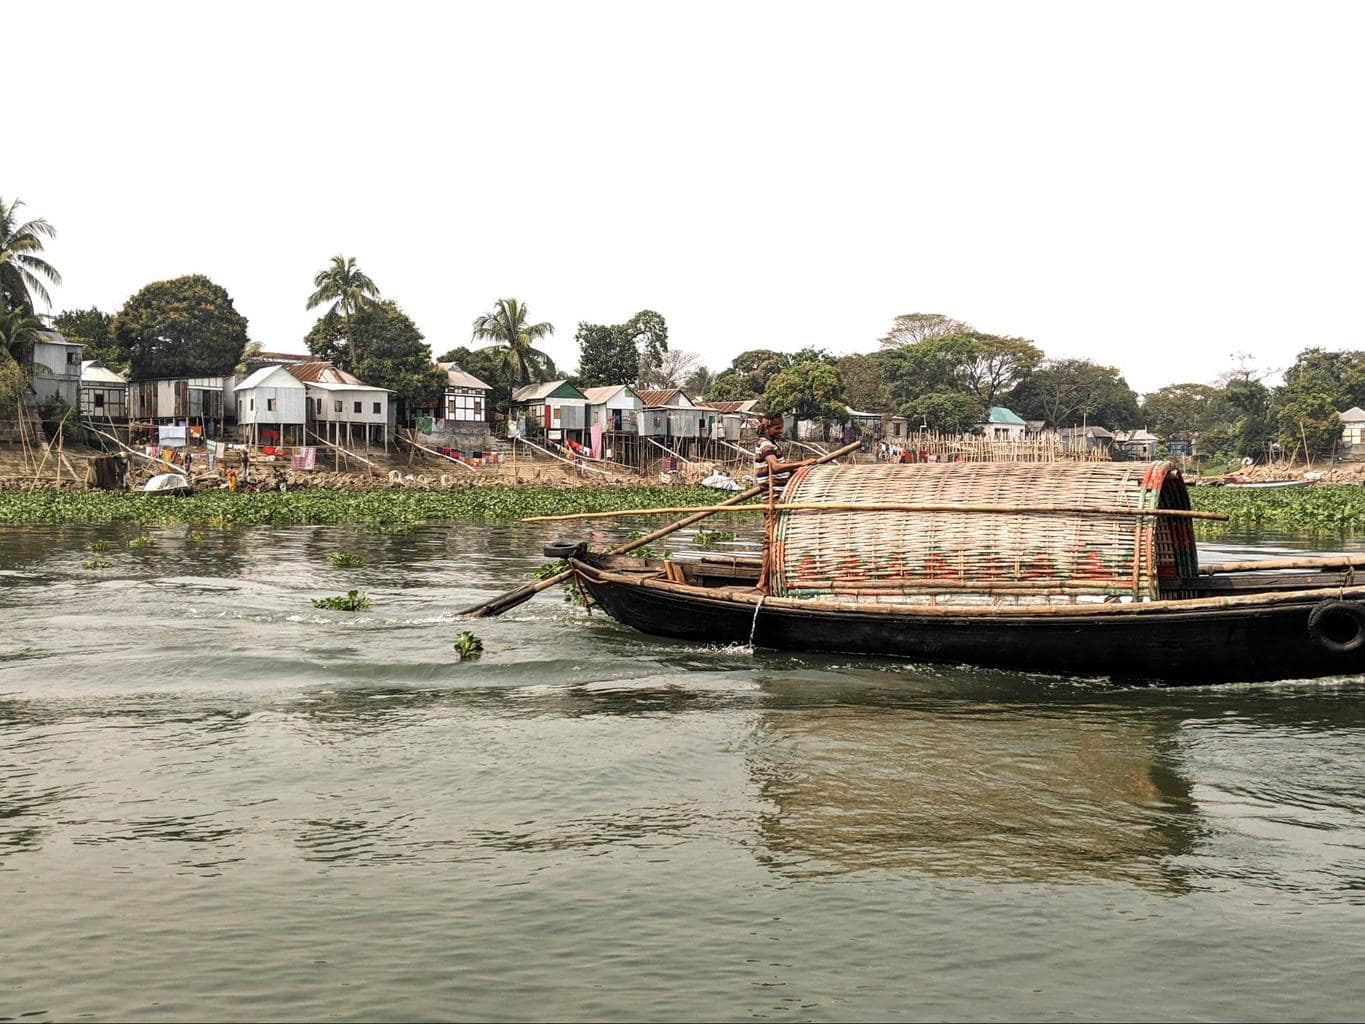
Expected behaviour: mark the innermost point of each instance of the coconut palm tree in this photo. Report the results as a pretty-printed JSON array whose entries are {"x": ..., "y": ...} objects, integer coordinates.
[
  {"x": 347, "y": 288},
  {"x": 507, "y": 326},
  {"x": 18, "y": 331},
  {"x": 22, "y": 270}
]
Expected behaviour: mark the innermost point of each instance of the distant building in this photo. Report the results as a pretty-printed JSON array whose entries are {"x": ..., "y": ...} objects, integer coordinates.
[
  {"x": 341, "y": 407},
  {"x": 1003, "y": 425},
  {"x": 104, "y": 393},
  {"x": 466, "y": 397},
  {"x": 57, "y": 368},
  {"x": 1087, "y": 439},
  {"x": 1353, "y": 423},
  {"x": 272, "y": 406},
  {"x": 1137, "y": 444},
  {"x": 613, "y": 406},
  {"x": 555, "y": 408}
]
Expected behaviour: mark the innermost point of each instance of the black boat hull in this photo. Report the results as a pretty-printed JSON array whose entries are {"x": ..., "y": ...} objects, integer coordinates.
[{"x": 1178, "y": 645}]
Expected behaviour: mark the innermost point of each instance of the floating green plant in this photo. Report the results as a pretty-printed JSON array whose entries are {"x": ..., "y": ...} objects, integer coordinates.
[
  {"x": 467, "y": 645},
  {"x": 345, "y": 560},
  {"x": 97, "y": 547},
  {"x": 351, "y": 601},
  {"x": 97, "y": 563},
  {"x": 140, "y": 542},
  {"x": 194, "y": 537}
]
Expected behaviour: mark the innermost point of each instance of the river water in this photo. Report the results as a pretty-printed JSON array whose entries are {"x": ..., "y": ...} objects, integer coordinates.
[{"x": 220, "y": 803}]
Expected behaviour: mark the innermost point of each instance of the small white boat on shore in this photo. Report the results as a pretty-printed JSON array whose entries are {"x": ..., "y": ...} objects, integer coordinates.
[{"x": 168, "y": 483}]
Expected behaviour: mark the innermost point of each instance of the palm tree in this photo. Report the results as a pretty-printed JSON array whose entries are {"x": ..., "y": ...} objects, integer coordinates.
[
  {"x": 347, "y": 288},
  {"x": 507, "y": 326},
  {"x": 21, "y": 270},
  {"x": 18, "y": 332}
]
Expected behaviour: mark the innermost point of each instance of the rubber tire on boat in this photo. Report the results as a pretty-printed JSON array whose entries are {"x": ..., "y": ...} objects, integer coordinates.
[
  {"x": 563, "y": 548},
  {"x": 1338, "y": 627}
]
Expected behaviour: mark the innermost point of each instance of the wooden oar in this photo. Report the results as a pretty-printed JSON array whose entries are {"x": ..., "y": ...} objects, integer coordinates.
[{"x": 527, "y": 591}]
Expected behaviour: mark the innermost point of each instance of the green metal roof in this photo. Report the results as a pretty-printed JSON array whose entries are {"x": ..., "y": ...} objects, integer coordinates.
[{"x": 999, "y": 414}]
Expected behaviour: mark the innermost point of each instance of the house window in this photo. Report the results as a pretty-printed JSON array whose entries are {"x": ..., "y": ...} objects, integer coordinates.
[
  {"x": 357, "y": 406},
  {"x": 71, "y": 359},
  {"x": 252, "y": 405},
  {"x": 464, "y": 407},
  {"x": 99, "y": 400},
  {"x": 270, "y": 405},
  {"x": 337, "y": 406},
  {"x": 376, "y": 408}
]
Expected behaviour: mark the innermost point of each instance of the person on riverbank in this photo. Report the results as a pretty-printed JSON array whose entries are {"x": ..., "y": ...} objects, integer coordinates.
[{"x": 770, "y": 465}]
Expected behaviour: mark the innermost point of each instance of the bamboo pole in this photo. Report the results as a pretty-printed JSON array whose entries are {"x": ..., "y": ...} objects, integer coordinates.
[{"x": 891, "y": 506}]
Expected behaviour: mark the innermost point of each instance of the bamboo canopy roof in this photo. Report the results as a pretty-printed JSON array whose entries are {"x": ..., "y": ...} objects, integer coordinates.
[{"x": 1040, "y": 539}]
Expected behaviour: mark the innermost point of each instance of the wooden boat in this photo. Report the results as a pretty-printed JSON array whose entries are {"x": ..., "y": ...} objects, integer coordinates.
[{"x": 1087, "y": 569}]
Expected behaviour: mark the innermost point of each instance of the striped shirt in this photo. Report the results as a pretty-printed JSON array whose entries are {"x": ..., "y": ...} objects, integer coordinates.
[{"x": 767, "y": 446}]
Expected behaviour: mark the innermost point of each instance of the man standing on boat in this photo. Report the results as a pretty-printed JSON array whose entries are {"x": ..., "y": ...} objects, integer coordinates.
[{"x": 768, "y": 456}]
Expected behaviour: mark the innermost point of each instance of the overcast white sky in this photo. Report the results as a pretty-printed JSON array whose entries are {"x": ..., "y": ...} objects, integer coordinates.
[{"x": 1149, "y": 185}]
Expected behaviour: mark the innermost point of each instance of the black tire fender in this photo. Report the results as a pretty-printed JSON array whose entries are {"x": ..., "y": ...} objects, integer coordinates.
[
  {"x": 1338, "y": 627},
  {"x": 563, "y": 548}
]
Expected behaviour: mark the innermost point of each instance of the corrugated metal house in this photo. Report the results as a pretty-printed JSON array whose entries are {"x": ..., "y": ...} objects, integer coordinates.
[
  {"x": 272, "y": 406},
  {"x": 613, "y": 406},
  {"x": 342, "y": 408},
  {"x": 555, "y": 407},
  {"x": 104, "y": 393}
]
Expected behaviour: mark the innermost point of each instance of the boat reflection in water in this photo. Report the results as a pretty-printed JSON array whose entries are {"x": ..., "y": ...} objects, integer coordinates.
[{"x": 1138, "y": 789}]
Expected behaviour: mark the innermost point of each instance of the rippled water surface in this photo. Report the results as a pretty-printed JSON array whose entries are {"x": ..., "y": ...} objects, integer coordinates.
[{"x": 218, "y": 802}]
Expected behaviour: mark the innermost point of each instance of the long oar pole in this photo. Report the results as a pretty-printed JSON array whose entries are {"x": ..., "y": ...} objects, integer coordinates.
[
  {"x": 524, "y": 593},
  {"x": 899, "y": 506}
]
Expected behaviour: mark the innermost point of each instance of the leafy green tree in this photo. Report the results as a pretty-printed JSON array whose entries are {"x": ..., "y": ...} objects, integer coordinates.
[
  {"x": 347, "y": 288},
  {"x": 933, "y": 366},
  {"x": 948, "y": 412},
  {"x": 507, "y": 327},
  {"x": 387, "y": 348},
  {"x": 92, "y": 328},
  {"x": 910, "y": 328},
  {"x": 997, "y": 364},
  {"x": 1070, "y": 392},
  {"x": 1309, "y": 423},
  {"x": 1253, "y": 423},
  {"x": 606, "y": 355},
  {"x": 731, "y": 386},
  {"x": 866, "y": 383},
  {"x": 810, "y": 391},
  {"x": 1182, "y": 409},
  {"x": 185, "y": 327},
  {"x": 22, "y": 269},
  {"x": 1340, "y": 376},
  {"x": 648, "y": 333}
]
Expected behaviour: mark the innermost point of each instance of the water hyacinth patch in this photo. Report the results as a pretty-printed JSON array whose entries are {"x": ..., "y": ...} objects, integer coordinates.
[
  {"x": 345, "y": 560},
  {"x": 389, "y": 511},
  {"x": 351, "y": 601}
]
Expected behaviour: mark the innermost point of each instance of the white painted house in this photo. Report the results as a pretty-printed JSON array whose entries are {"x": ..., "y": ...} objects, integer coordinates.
[
  {"x": 1353, "y": 422},
  {"x": 1003, "y": 425},
  {"x": 272, "y": 407},
  {"x": 57, "y": 368},
  {"x": 341, "y": 407}
]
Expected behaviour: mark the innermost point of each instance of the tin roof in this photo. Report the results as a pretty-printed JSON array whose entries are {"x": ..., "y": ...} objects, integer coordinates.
[
  {"x": 732, "y": 407},
  {"x": 460, "y": 378},
  {"x": 95, "y": 372},
  {"x": 596, "y": 396},
  {"x": 545, "y": 389},
  {"x": 660, "y": 398},
  {"x": 258, "y": 377},
  {"x": 315, "y": 371}
]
